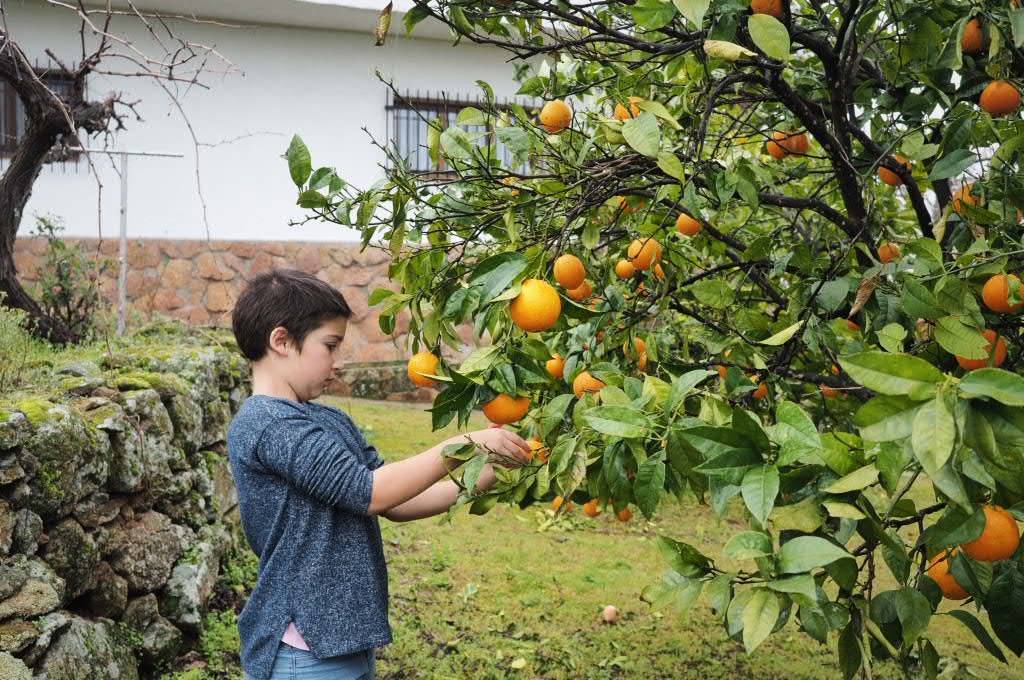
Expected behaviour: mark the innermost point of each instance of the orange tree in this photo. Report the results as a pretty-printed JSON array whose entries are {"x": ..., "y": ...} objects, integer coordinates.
[{"x": 756, "y": 253}]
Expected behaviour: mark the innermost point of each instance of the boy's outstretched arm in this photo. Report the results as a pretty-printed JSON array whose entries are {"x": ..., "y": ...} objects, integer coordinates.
[
  {"x": 437, "y": 499},
  {"x": 396, "y": 484}
]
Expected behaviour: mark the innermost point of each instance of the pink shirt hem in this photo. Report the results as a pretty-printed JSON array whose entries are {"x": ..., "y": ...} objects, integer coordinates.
[{"x": 293, "y": 638}]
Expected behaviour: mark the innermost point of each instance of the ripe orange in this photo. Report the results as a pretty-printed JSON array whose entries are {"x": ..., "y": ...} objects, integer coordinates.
[
  {"x": 722, "y": 370},
  {"x": 590, "y": 508},
  {"x": 999, "y": 98},
  {"x": 973, "y": 40},
  {"x": 569, "y": 272},
  {"x": 421, "y": 365},
  {"x": 585, "y": 382},
  {"x": 687, "y": 226},
  {"x": 996, "y": 294},
  {"x": 624, "y": 515},
  {"x": 1000, "y": 538},
  {"x": 829, "y": 392},
  {"x": 852, "y": 325},
  {"x": 997, "y": 355},
  {"x": 788, "y": 143},
  {"x": 622, "y": 113},
  {"x": 964, "y": 195},
  {"x": 537, "y": 450},
  {"x": 772, "y": 7},
  {"x": 890, "y": 177},
  {"x": 557, "y": 503},
  {"x": 582, "y": 292},
  {"x": 555, "y": 116},
  {"x": 762, "y": 389},
  {"x": 659, "y": 273},
  {"x": 505, "y": 409},
  {"x": 939, "y": 572},
  {"x": 556, "y": 367},
  {"x": 640, "y": 349},
  {"x": 887, "y": 252},
  {"x": 836, "y": 370},
  {"x": 642, "y": 253},
  {"x": 537, "y": 306},
  {"x": 624, "y": 269}
]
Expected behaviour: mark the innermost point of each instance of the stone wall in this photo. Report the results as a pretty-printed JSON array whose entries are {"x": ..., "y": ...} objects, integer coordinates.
[
  {"x": 117, "y": 505},
  {"x": 198, "y": 281}
]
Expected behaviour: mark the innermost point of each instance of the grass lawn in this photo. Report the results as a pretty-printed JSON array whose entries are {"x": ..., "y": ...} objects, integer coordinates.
[{"x": 512, "y": 595}]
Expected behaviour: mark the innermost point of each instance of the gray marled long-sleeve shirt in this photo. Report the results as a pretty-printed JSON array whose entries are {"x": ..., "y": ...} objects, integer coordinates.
[{"x": 303, "y": 472}]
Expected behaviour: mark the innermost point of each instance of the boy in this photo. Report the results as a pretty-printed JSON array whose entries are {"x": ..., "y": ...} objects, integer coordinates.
[{"x": 310, "y": 489}]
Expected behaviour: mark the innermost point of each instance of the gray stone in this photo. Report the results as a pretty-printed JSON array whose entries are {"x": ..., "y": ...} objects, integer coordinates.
[
  {"x": 13, "y": 669},
  {"x": 27, "y": 530},
  {"x": 40, "y": 593},
  {"x": 216, "y": 418},
  {"x": 10, "y": 470},
  {"x": 141, "y": 612},
  {"x": 16, "y": 635},
  {"x": 90, "y": 650},
  {"x": 161, "y": 643},
  {"x": 109, "y": 595},
  {"x": 184, "y": 599},
  {"x": 159, "y": 456},
  {"x": 73, "y": 555},
  {"x": 48, "y": 627},
  {"x": 8, "y": 522},
  {"x": 80, "y": 387},
  {"x": 225, "y": 494},
  {"x": 80, "y": 368},
  {"x": 144, "y": 550},
  {"x": 71, "y": 459},
  {"x": 13, "y": 575},
  {"x": 14, "y": 428},
  {"x": 98, "y": 509}
]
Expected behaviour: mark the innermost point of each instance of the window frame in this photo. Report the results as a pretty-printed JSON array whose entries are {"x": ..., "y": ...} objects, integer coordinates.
[{"x": 14, "y": 111}]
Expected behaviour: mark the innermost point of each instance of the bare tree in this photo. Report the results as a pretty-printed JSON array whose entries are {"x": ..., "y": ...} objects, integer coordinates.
[{"x": 56, "y": 117}]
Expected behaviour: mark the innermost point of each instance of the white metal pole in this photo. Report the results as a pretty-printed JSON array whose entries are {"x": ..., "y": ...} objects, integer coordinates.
[{"x": 122, "y": 276}]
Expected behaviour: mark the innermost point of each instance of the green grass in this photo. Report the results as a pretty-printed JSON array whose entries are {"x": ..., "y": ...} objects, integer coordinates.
[{"x": 514, "y": 594}]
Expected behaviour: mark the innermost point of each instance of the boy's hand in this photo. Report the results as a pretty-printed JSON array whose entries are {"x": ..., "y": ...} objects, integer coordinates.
[{"x": 506, "y": 449}]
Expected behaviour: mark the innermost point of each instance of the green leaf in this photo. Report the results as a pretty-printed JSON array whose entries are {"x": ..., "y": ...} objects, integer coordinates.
[
  {"x": 802, "y": 585},
  {"x": 642, "y": 134},
  {"x": 994, "y": 383},
  {"x": 804, "y": 553},
  {"x": 1017, "y": 26},
  {"x": 759, "y": 616},
  {"x": 891, "y": 337},
  {"x": 934, "y": 435},
  {"x": 845, "y": 510},
  {"x": 675, "y": 591},
  {"x": 785, "y": 334},
  {"x": 653, "y": 14},
  {"x": 959, "y": 339},
  {"x": 493, "y": 275},
  {"x": 649, "y": 485},
  {"x": 669, "y": 163},
  {"x": 659, "y": 110},
  {"x": 713, "y": 293},
  {"x": 952, "y": 164},
  {"x": 885, "y": 418},
  {"x": 312, "y": 199},
  {"x": 760, "y": 487},
  {"x": 683, "y": 385},
  {"x": 918, "y": 301},
  {"x": 893, "y": 374},
  {"x": 481, "y": 359},
  {"x": 456, "y": 143},
  {"x": 748, "y": 545},
  {"x": 770, "y": 36},
  {"x": 694, "y": 10},
  {"x": 299, "y": 163},
  {"x": 683, "y": 557},
  {"x": 804, "y": 516},
  {"x": 914, "y": 612},
  {"x": 855, "y": 481},
  {"x": 796, "y": 433},
  {"x": 1004, "y": 602},
  {"x": 976, "y": 627},
  {"x": 618, "y": 421}
]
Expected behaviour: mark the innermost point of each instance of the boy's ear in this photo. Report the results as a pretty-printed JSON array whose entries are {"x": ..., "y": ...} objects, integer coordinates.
[{"x": 280, "y": 341}]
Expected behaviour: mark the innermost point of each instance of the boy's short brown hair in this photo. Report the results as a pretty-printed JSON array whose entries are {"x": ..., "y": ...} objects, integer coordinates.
[{"x": 290, "y": 298}]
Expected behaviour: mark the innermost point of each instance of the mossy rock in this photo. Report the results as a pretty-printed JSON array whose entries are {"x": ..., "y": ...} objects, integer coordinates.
[{"x": 166, "y": 384}]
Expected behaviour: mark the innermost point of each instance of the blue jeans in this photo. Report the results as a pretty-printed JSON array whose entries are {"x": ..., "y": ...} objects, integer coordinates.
[{"x": 292, "y": 663}]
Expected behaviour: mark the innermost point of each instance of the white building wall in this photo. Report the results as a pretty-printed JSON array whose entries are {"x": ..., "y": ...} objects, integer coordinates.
[{"x": 319, "y": 84}]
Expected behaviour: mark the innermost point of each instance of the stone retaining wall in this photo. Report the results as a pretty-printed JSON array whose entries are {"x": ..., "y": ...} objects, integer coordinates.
[
  {"x": 198, "y": 281},
  {"x": 117, "y": 505}
]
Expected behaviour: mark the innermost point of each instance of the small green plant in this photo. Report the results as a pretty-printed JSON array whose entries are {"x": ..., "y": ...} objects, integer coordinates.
[
  {"x": 220, "y": 643},
  {"x": 68, "y": 288},
  {"x": 19, "y": 349}
]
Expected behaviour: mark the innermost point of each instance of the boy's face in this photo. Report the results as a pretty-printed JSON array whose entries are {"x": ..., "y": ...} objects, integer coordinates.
[{"x": 310, "y": 369}]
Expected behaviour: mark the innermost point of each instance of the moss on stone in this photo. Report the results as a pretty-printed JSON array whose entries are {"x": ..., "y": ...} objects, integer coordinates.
[
  {"x": 36, "y": 409},
  {"x": 166, "y": 384}
]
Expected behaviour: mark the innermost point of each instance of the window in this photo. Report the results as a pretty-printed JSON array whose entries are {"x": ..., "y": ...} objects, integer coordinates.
[
  {"x": 12, "y": 112},
  {"x": 409, "y": 117}
]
